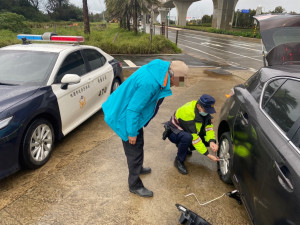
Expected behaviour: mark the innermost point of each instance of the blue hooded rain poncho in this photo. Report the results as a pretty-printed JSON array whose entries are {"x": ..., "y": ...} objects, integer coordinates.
[{"x": 133, "y": 104}]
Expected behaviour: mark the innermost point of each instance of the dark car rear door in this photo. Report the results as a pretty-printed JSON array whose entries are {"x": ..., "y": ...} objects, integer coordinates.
[
  {"x": 280, "y": 193},
  {"x": 253, "y": 149}
]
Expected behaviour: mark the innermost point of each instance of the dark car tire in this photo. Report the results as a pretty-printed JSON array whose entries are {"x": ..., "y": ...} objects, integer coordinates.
[
  {"x": 225, "y": 152},
  {"x": 41, "y": 133},
  {"x": 115, "y": 84}
]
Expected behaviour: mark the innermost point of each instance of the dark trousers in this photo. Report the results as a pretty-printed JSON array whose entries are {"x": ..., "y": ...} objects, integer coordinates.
[
  {"x": 183, "y": 141},
  {"x": 135, "y": 159}
]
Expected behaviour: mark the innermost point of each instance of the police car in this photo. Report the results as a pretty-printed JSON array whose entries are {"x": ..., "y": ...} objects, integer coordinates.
[{"x": 46, "y": 91}]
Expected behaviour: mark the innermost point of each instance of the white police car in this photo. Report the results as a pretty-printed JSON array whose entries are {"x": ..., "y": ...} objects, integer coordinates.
[{"x": 47, "y": 90}]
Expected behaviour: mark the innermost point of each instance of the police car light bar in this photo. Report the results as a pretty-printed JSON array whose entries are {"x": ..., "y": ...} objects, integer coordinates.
[
  {"x": 30, "y": 37},
  {"x": 50, "y": 37},
  {"x": 67, "y": 38}
]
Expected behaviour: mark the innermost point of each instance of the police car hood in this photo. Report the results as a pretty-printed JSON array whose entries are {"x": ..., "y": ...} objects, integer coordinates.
[
  {"x": 280, "y": 36},
  {"x": 11, "y": 95}
]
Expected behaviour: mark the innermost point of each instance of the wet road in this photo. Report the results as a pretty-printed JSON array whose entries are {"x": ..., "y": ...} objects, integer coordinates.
[
  {"x": 85, "y": 181},
  {"x": 235, "y": 51}
]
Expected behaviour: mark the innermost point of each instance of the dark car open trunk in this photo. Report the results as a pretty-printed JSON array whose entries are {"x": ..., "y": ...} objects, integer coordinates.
[{"x": 281, "y": 38}]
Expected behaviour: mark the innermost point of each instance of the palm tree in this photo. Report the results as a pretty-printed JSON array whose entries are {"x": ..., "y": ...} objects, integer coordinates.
[
  {"x": 140, "y": 6},
  {"x": 118, "y": 9},
  {"x": 124, "y": 10},
  {"x": 86, "y": 20}
]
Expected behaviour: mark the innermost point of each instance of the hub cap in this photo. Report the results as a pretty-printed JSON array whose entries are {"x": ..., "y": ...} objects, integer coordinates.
[
  {"x": 224, "y": 154},
  {"x": 41, "y": 142}
]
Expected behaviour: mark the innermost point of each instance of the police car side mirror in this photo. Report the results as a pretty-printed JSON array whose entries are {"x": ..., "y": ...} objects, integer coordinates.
[{"x": 69, "y": 79}]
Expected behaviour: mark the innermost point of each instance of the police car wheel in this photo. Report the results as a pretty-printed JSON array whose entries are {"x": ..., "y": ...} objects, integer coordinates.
[
  {"x": 225, "y": 153},
  {"x": 115, "y": 84},
  {"x": 37, "y": 144}
]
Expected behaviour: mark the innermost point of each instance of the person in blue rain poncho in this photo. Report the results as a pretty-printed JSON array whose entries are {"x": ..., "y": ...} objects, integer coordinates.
[{"x": 133, "y": 105}]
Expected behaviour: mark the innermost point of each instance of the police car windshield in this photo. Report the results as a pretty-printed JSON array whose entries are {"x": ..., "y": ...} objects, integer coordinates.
[{"x": 25, "y": 67}]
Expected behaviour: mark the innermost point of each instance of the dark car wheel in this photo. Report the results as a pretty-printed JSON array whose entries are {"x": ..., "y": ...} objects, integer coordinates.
[
  {"x": 37, "y": 144},
  {"x": 115, "y": 84},
  {"x": 225, "y": 153}
]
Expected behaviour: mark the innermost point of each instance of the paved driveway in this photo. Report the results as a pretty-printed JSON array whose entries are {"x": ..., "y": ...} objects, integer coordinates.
[{"x": 85, "y": 181}]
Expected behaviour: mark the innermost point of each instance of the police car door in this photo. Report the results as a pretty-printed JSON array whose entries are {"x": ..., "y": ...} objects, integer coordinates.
[
  {"x": 101, "y": 76},
  {"x": 72, "y": 100}
]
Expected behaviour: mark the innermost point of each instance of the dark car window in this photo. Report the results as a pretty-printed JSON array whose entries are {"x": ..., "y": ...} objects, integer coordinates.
[
  {"x": 296, "y": 139},
  {"x": 73, "y": 64},
  {"x": 25, "y": 67},
  {"x": 271, "y": 89},
  {"x": 254, "y": 86},
  {"x": 284, "y": 105},
  {"x": 285, "y": 35},
  {"x": 95, "y": 58}
]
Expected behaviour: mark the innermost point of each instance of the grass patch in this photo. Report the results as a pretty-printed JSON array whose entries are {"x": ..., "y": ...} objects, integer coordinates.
[
  {"x": 110, "y": 38},
  {"x": 235, "y": 32},
  {"x": 8, "y": 37}
]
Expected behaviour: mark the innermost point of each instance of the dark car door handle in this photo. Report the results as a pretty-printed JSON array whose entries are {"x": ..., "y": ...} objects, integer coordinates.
[{"x": 283, "y": 180}]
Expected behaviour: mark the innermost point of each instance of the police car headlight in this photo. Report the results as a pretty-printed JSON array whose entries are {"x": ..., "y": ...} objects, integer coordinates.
[{"x": 5, "y": 122}]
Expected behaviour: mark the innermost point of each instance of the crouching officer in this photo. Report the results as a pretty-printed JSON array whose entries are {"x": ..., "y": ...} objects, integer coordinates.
[{"x": 191, "y": 127}]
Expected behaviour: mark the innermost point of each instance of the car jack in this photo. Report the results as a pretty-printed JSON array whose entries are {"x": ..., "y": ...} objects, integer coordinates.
[
  {"x": 236, "y": 195},
  {"x": 188, "y": 217}
]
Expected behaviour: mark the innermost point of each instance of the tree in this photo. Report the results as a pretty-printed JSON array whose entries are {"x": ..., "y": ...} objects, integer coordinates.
[
  {"x": 278, "y": 9},
  {"x": 27, "y": 8},
  {"x": 244, "y": 20},
  {"x": 125, "y": 10},
  {"x": 206, "y": 19},
  {"x": 86, "y": 17},
  {"x": 63, "y": 10},
  {"x": 13, "y": 22},
  {"x": 34, "y": 3},
  {"x": 119, "y": 9},
  {"x": 140, "y": 6}
]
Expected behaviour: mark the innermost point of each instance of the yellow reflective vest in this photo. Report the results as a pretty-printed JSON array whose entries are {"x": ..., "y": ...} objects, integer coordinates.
[{"x": 187, "y": 118}]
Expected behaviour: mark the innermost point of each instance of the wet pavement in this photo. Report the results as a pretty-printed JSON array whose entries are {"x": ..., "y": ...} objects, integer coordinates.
[
  {"x": 192, "y": 61},
  {"x": 85, "y": 181},
  {"x": 233, "y": 50}
]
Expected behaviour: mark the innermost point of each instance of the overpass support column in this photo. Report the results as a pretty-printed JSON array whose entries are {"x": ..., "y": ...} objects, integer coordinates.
[
  {"x": 163, "y": 15},
  {"x": 223, "y": 13},
  {"x": 182, "y": 8},
  {"x": 155, "y": 17}
]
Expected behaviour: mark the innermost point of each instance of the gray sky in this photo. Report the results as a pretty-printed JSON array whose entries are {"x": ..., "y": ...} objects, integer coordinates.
[{"x": 200, "y": 8}]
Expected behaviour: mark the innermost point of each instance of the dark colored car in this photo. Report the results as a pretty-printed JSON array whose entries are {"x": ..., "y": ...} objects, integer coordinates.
[
  {"x": 46, "y": 91},
  {"x": 259, "y": 134}
]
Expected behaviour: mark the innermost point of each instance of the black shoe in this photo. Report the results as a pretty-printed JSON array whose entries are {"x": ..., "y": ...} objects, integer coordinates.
[
  {"x": 180, "y": 166},
  {"x": 142, "y": 192},
  {"x": 145, "y": 170}
]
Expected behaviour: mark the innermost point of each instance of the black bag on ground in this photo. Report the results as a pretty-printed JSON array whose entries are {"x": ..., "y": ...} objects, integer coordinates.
[{"x": 188, "y": 217}]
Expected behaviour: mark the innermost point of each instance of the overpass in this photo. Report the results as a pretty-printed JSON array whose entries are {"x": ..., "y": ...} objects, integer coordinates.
[{"x": 222, "y": 15}]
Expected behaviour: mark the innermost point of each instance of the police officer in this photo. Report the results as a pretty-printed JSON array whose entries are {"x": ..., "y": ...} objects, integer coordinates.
[{"x": 191, "y": 127}]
